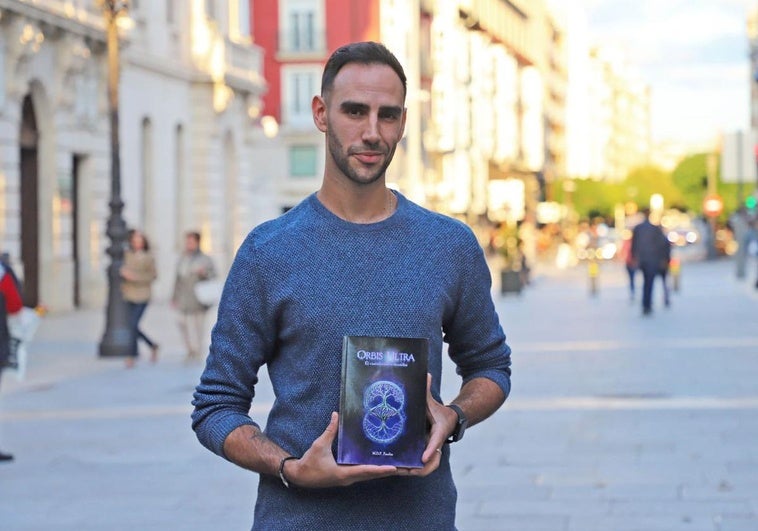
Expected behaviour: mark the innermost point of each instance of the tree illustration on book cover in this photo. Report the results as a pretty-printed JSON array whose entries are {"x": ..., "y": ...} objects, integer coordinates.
[{"x": 383, "y": 401}]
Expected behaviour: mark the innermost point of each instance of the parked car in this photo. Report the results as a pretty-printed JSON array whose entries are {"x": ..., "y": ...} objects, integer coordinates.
[{"x": 683, "y": 236}]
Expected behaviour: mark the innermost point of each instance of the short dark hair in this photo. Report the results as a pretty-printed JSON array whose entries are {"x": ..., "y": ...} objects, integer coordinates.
[
  {"x": 195, "y": 235},
  {"x": 367, "y": 52}
]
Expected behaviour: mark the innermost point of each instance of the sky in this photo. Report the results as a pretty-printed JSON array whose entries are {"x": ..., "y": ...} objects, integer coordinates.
[{"x": 694, "y": 54}]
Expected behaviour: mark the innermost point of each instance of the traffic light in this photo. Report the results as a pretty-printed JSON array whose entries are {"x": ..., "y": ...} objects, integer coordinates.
[{"x": 750, "y": 202}]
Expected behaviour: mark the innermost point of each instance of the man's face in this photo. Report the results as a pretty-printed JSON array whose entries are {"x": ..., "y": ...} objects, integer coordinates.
[{"x": 363, "y": 118}]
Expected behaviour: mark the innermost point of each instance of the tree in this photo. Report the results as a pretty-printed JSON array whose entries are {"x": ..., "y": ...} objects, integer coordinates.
[
  {"x": 643, "y": 182},
  {"x": 593, "y": 198},
  {"x": 691, "y": 178}
]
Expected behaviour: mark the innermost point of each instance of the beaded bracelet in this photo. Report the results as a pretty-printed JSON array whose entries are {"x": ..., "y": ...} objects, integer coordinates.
[{"x": 281, "y": 469}]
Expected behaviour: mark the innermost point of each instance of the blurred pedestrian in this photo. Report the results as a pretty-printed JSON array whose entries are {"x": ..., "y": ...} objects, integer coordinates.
[
  {"x": 10, "y": 304},
  {"x": 663, "y": 272},
  {"x": 651, "y": 251},
  {"x": 5, "y": 261},
  {"x": 353, "y": 258},
  {"x": 193, "y": 266},
  {"x": 137, "y": 276},
  {"x": 743, "y": 231},
  {"x": 625, "y": 254}
]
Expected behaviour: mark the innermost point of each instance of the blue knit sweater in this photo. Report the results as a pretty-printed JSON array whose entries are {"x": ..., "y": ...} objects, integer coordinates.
[{"x": 299, "y": 284}]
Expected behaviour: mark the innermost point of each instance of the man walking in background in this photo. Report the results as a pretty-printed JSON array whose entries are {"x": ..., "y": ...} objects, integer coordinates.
[{"x": 651, "y": 251}]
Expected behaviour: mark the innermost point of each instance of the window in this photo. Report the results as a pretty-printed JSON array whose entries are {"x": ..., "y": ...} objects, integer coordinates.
[
  {"x": 86, "y": 95},
  {"x": 180, "y": 185},
  {"x": 302, "y": 161},
  {"x": 170, "y": 12},
  {"x": 300, "y": 85},
  {"x": 301, "y": 33},
  {"x": 2, "y": 73},
  {"x": 147, "y": 176},
  {"x": 242, "y": 16},
  {"x": 210, "y": 9},
  {"x": 301, "y": 21}
]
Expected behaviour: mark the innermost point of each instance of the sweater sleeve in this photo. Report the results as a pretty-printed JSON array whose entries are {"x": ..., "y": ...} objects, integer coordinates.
[
  {"x": 476, "y": 340},
  {"x": 241, "y": 341}
]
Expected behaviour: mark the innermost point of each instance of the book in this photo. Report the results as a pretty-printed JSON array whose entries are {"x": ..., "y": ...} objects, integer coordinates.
[{"x": 383, "y": 401}]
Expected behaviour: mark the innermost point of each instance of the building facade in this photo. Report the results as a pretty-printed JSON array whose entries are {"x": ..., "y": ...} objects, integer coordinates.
[
  {"x": 486, "y": 91},
  {"x": 297, "y": 37},
  {"x": 608, "y": 106},
  {"x": 497, "y": 107},
  {"x": 190, "y": 91}
]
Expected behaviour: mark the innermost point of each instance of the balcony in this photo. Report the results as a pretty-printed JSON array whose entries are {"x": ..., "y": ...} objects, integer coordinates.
[
  {"x": 234, "y": 62},
  {"x": 244, "y": 65},
  {"x": 80, "y": 17}
]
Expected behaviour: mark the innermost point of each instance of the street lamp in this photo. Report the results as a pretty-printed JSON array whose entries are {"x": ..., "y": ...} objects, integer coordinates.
[{"x": 117, "y": 337}]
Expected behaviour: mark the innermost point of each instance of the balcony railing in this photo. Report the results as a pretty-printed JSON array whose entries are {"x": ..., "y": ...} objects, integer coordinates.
[{"x": 244, "y": 61}]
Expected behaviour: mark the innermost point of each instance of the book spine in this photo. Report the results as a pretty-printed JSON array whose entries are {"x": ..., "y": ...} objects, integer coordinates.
[{"x": 343, "y": 396}]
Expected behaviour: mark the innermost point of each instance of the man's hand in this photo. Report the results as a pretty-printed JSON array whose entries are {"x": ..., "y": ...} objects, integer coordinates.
[
  {"x": 442, "y": 420},
  {"x": 317, "y": 468}
]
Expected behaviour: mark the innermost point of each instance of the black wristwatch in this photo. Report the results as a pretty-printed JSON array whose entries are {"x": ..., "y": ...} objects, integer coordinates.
[{"x": 460, "y": 426}]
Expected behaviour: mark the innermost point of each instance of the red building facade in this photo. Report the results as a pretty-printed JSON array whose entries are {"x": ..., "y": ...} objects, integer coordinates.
[{"x": 297, "y": 37}]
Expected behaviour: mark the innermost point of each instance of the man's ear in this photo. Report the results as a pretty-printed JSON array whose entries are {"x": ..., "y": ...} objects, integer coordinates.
[
  {"x": 318, "y": 107},
  {"x": 402, "y": 123}
]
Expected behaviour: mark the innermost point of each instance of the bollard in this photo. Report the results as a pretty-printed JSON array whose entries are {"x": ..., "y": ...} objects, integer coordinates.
[
  {"x": 675, "y": 268},
  {"x": 593, "y": 270}
]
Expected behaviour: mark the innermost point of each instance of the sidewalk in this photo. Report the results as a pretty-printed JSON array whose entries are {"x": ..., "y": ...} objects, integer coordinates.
[
  {"x": 67, "y": 344},
  {"x": 616, "y": 421},
  {"x": 99, "y": 446}
]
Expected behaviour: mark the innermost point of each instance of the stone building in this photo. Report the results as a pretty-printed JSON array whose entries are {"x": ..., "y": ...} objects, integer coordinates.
[{"x": 189, "y": 126}]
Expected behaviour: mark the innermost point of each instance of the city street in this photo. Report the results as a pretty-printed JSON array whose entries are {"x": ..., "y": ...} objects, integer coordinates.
[{"x": 616, "y": 422}]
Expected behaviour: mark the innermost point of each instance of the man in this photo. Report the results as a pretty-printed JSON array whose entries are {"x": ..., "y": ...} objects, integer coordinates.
[
  {"x": 354, "y": 258},
  {"x": 651, "y": 251},
  {"x": 194, "y": 266}
]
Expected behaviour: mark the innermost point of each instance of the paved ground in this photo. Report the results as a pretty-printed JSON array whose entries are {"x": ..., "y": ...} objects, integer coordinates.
[{"x": 616, "y": 421}]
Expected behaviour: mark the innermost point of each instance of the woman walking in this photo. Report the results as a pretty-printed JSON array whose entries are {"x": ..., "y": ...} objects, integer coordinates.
[{"x": 138, "y": 274}]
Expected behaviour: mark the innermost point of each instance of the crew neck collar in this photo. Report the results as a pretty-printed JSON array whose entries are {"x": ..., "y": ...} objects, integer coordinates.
[{"x": 337, "y": 221}]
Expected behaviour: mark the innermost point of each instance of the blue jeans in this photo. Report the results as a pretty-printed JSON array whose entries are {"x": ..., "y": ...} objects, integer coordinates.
[{"x": 136, "y": 309}]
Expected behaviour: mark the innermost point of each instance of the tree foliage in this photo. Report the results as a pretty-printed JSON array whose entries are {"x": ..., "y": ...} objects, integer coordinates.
[
  {"x": 599, "y": 198},
  {"x": 643, "y": 182},
  {"x": 684, "y": 188},
  {"x": 690, "y": 177}
]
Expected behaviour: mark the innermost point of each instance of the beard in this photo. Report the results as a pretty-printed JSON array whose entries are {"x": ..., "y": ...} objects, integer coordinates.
[{"x": 341, "y": 157}]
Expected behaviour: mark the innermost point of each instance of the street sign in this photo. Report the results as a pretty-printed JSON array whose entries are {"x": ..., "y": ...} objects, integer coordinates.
[{"x": 713, "y": 205}]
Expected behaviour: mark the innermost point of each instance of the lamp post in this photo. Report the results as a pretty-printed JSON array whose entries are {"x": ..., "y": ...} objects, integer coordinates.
[{"x": 116, "y": 338}]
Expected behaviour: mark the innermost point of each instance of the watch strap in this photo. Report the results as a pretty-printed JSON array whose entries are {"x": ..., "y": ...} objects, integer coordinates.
[{"x": 460, "y": 426}]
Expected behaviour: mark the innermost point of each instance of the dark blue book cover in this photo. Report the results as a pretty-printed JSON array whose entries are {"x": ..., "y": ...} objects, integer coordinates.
[{"x": 383, "y": 401}]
